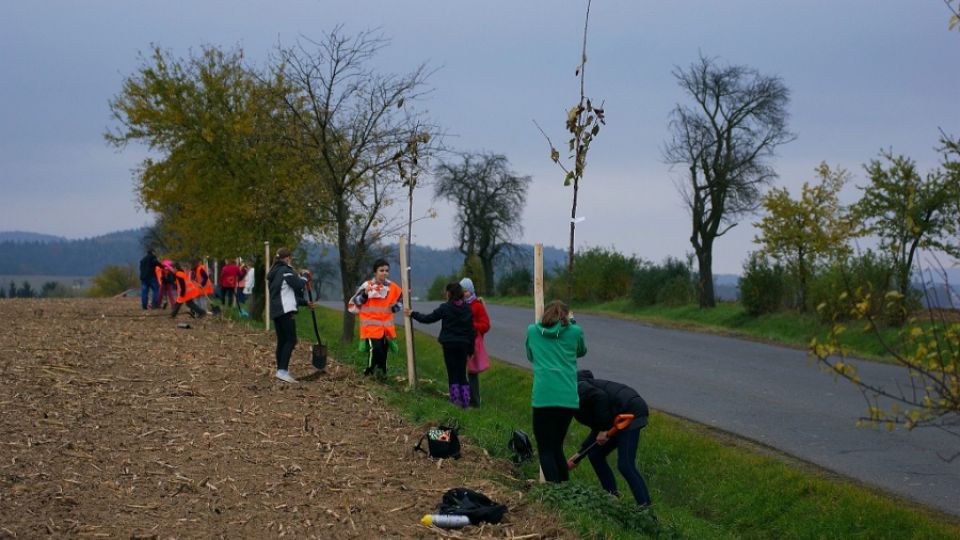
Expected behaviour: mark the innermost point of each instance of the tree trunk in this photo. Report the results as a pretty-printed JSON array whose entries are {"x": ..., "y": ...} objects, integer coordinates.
[
  {"x": 256, "y": 303},
  {"x": 705, "y": 260},
  {"x": 487, "y": 278},
  {"x": 349, "y": 278}
]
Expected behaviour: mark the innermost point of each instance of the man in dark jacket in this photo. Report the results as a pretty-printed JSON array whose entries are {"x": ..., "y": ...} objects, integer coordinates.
[
  {"x": 600, "y": 403},
  {"x": 148, "y": 280}
]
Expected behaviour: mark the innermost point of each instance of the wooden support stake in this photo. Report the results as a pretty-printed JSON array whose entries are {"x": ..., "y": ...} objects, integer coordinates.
[
  {"x": 538, "y": 282},
  {"x": 266, "y": 289},
  {"x": 407, "y": 321},
  {"x": 538, "y": 298}
]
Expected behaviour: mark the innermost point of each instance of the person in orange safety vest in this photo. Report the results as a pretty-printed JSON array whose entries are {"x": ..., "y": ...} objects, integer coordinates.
[
  {"x": 187, "y": 291},
  {"x": 375, "y": 302},
  {"x": 202, "y": 277}
]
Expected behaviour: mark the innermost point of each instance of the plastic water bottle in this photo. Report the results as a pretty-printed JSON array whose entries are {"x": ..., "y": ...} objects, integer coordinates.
[{"x": 446, "y": 521}]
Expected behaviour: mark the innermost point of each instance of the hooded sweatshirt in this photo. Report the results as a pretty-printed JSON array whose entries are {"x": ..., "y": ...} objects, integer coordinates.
[
  {"x": 553, "y": 351},
  {"x": 286, "y": 289}
]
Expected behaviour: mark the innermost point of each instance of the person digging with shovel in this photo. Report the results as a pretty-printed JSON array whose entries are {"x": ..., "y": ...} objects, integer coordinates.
[{"x": 615, "y": 414}]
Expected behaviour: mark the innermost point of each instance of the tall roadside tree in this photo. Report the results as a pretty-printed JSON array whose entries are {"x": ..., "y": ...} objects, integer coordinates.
[
  {"x": 909, "y": 212},
  {"x": 803, "y": 233},
  {"x": 351, "y": 124},
  {"x": 219, "y": 179},
  {"x": 489, "y": 198},
  {"x": 725, "y": 138}
]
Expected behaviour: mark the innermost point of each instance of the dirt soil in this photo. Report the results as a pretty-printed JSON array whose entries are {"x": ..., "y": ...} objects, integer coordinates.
[{"x": 114, "y": 423}]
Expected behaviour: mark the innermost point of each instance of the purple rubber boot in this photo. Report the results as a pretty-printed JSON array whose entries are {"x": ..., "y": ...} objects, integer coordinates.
[
  {"x": 455, "y": 394},
  {"x": 464, "y": 395}
]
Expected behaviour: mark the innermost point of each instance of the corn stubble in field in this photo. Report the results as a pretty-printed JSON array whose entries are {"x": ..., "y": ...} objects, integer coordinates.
[{"x": 115, "y": 423}]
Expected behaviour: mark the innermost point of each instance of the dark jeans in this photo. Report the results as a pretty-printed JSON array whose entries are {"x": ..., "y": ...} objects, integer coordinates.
[
  {"x": 550, "y": 426},
  {"x": 191, "y": 305},
  {"x": 377, "y": 355},
  {"x": 455, "y": 358},
  {"x": 286, "y": 327},
  {"x": 228, "y": 295},
  {"x": 625, "y": 443},
  {"x": 147, "y": 286}
]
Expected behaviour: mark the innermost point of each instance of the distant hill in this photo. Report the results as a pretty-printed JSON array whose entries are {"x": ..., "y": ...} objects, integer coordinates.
[
  {"x": 24, "y": 236},
  {"x": 62, "y": 257},
  {"x": 29, "y": 255}
]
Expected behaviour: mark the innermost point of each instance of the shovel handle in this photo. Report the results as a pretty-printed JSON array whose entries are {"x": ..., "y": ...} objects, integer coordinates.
[{"x": 621, "y": 422}]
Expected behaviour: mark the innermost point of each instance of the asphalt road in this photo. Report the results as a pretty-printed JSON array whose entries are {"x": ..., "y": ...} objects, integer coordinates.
[{"x": 772, "y": 395}]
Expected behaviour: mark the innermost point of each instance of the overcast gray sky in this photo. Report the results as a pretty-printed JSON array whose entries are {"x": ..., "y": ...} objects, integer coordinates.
[{"x": 864, "y": 75}]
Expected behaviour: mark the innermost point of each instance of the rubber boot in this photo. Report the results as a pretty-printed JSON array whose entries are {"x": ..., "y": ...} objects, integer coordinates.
[
  {"x": 474, "y": 389},
  {"x": 464, "y": 395},
  {"x": 455, "y": 394}
]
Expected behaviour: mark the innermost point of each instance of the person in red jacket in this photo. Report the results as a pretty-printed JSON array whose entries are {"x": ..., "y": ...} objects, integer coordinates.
[
  {"x": 229, "y": 281},
  {"x": 478, "y": 362}
]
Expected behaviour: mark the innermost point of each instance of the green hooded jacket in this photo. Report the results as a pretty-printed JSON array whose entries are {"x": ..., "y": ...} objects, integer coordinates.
[{"x": 553, "y": 351}]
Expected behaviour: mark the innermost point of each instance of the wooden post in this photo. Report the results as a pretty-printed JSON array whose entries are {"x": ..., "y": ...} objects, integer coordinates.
[
  {"x": 537, "y": 282},
  {"x": 538, "y": 298},
  {"x": 407, "y": 321},
  {"x": 266, "y": 290}
]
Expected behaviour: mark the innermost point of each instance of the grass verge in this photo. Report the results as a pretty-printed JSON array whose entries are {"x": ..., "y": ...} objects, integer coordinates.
[
  {"x": 787, "y": 328},
  {"x": 702, "y": 486}
]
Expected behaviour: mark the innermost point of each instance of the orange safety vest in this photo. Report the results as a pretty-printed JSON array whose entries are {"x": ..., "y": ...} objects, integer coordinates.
[
  {"x": 208, "y": 289},
  {"x": 376, "y": 319},
  {"x": 192, "y": 288}
]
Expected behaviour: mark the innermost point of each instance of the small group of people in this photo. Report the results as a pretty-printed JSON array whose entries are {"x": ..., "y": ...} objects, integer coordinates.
[
  {"x": 561, "y": 392},
  {"x": 169, "y": 283},
  {"x": 463, "y": 318},
  {"x": 174, "y": 284}
]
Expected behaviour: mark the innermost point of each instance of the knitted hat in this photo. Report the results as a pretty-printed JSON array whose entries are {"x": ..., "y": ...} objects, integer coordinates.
[{"x": 467, "y": 284}]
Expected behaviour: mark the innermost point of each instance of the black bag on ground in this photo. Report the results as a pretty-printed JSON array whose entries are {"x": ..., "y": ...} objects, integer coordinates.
[
  {"x": 442, "y": 442},
  {"x": 521, "y": 447},
  {"x": 476, "y": 506}
]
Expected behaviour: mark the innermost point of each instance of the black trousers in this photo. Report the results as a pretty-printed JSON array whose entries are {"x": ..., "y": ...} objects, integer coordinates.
[
  {"x": 455, "y": 358},
  {"x": 286, "y": 327},
  {"x": 550, "y": 426},
  {"x": 377, "y": 355}
]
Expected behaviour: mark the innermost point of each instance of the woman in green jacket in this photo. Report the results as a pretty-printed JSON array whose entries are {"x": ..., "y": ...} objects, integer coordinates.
[{"x": 553, "y": 346}]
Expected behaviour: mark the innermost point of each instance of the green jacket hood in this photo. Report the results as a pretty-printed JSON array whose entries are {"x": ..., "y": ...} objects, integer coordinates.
[{"x": 554, "y": 331}]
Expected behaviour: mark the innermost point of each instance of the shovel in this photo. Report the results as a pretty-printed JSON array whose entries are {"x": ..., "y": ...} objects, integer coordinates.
[
  {"x": 319, "y": 351},
  {"x": 620, "y": 422}
]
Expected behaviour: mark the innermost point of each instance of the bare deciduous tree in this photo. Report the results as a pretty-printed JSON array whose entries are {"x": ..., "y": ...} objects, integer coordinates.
[
  {"x": 725, "y": 138},
  {"x": 489, "y": 198},
  {"x": 351, "y": 124}
]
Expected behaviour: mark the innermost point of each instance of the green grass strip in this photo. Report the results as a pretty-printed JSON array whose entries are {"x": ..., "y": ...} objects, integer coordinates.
[
  {"x": 703, "y": 486},
  {"x": 786, "y": 328}
]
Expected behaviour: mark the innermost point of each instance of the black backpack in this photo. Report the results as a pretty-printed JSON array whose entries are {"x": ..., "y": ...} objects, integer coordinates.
[
  {"x": 442, "y": 442},
  {"x": 476, "y": 506},
  {"x": 521, "y": 447}
]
